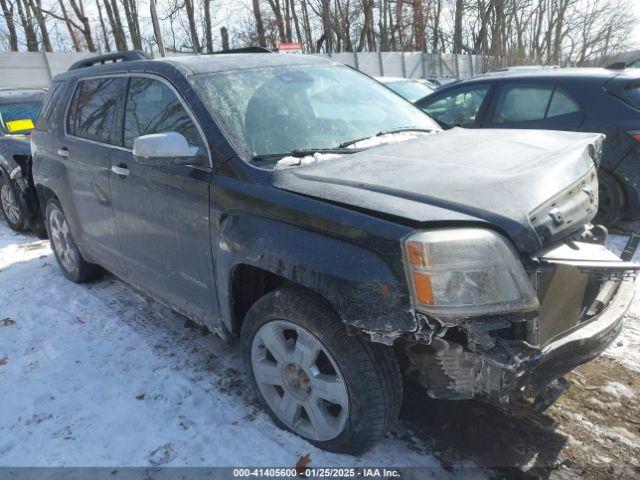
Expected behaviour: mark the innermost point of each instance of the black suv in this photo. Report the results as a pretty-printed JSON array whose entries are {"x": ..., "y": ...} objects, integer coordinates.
[
  {"x": 333, "y": 228},
  {"x": 574, "y": 99}
]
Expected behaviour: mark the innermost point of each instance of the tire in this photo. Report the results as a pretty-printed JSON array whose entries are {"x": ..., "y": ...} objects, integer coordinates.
[
  {"x": 611, "y": 200},
  {"x": 69, "y": 258},
  {"x": 11, "y": 209},
  {"x": 335, "y": 390}
]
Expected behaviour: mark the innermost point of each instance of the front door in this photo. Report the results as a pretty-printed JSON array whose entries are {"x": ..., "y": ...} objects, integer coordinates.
[{"x": 162, "y": 212}]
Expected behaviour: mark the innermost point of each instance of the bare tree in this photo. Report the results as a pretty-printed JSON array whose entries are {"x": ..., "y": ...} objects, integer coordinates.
[{"x": 7, "y": 12}]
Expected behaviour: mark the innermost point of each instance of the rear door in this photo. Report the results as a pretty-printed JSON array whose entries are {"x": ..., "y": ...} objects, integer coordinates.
[
  {"x": 162, "y": 212},
  {"x": 533, "y": 105},
  {"x": 91, "y": 136}
]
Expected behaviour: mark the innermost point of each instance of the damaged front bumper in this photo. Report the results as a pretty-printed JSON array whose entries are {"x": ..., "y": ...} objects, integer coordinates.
[{"x": 498, "y": 359}]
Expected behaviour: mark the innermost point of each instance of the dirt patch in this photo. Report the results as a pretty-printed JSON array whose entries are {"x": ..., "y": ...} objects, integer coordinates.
[{"x": 593, "y": 431}]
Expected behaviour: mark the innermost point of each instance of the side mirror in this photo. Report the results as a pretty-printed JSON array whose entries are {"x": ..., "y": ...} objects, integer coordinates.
[{"x": 165, "y": 149}]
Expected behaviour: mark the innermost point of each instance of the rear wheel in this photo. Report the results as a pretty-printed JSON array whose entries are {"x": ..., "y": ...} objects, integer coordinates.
[
  {"x": 10, "y": 207},
  {"x": 611, "y": 200},
  {"x": 69, "y": 258},
  {"x": 335, "y": 390}
]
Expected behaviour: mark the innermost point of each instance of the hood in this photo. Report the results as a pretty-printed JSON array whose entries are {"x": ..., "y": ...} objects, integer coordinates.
[{"x": 535, "y": 185}]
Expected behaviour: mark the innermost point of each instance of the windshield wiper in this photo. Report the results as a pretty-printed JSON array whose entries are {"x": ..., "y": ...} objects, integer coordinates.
[
  {"x": 385, "y": 132},
  {"x": 303, "y": 152}
]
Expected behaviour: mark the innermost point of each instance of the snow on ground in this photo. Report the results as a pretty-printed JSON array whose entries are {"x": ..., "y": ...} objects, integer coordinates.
[
  {"x": 97, "y": 375},
  {"x": 626, "y": 349}
]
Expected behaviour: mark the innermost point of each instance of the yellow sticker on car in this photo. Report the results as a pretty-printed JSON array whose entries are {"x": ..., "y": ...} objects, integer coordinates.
[{"x": 20, "y": 125}]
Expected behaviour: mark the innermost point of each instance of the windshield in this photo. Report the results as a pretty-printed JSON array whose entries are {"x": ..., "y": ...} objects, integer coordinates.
[
  {"x": 276, "y": 110},
  {"x": 19, "y": 117},
  {"x": 412, "y": 91}
]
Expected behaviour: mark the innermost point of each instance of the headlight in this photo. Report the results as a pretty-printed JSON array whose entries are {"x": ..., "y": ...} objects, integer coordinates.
[{"x": 466, "y": 272}]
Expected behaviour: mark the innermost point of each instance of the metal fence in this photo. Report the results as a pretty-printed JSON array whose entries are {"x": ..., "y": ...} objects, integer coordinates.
[
  {"x": 36, "y": 69},
  {"x": 415, "y": 64}
]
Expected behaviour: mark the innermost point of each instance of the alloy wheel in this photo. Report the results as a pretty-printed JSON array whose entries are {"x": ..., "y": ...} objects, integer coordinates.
[
  {"x": 9, "y": 204},
  {"x": 61, "y": 237},
  {"x": 300, "y": 380}
]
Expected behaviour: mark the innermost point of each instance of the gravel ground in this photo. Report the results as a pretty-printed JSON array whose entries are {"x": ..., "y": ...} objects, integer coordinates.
[{"x": 99, "y": 375}]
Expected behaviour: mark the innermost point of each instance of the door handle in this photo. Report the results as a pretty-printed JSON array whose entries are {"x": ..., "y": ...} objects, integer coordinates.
[
  {"x": 63, "y": 152},
  {"x": 121, "y": 170}
]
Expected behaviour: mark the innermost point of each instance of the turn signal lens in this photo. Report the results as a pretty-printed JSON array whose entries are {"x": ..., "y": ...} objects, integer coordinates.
[
  {"x": 424, "y": 291},
  {"x": 416, "y": 254},
  {"x": 635, "y": 134}
]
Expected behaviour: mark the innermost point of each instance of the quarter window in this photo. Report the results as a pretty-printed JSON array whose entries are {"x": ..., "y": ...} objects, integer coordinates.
[
  {"x": 94, "y": 109},
  {"x": 561, "y": 104},
  {"x": 152, "y": 107},
  {"x": 52, "y": 101}
]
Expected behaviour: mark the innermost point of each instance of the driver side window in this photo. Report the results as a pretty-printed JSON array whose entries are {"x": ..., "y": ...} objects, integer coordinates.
[
  {"x": 457, "y": 108},
  {"x": 152, "y": 107}
]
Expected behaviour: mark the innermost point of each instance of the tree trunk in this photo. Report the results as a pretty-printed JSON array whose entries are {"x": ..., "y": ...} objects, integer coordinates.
[
  {"x": 207, "y": 27},
  {"x": 435, "y": 38},
  {"x": 277, "y": 13},
  {"x": 457, "y": 27},
  {"x": 8, "y": 17},
  {"x": 116, "y": 25},
  {"x": 131, "y": 16},
  {"x": 296, "y": 22},
  {"x": 306, "y": 25},
  {"x": 103, "y": 28},
  {"x": 70, "y": 28},
  {"x": 259, "y": 24},
  {"x": 25, "y": 19},
  {"x": 78, "y": 9},
  {"x": 36, "y": 7},
  {"x": 326, "y": 24},
  {"x": 195, "y": 43}
]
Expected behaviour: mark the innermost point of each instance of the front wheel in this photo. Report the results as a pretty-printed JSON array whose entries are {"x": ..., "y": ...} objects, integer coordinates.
[
  {"x": 335, "y": 390},
  {"x": 10, "y": 207}
]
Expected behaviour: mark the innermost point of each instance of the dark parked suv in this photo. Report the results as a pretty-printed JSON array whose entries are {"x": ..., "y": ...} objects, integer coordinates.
[
  {"x": 335, "y": 229},
  {"x": 583, "y": 100}
]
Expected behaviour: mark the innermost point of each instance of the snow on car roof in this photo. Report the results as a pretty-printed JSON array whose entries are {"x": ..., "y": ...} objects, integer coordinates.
[{"x": 198, "y": 64}]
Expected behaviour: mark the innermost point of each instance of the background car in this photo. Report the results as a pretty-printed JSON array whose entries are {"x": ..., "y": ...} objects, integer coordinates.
[
  {"x": 19, "y": 110},
  {"x": 440, "y": 81},
  {"x": 410, "y": 88},
  {"x": 585, "y": 100}
]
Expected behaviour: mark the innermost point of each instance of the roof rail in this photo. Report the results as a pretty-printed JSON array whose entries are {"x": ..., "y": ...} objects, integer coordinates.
[
  {"x": 244, "y": 50},
  {"x": 127, "y": 56}
]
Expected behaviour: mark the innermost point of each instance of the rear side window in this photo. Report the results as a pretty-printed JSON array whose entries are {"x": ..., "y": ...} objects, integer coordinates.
[
  {"x": 522, "y": 103},
  {"x": 50, "y": 106},
  {"x": 527, "y": 103},
  {"x": 632, "y": 92},
  {"x": 153, "y": 107},
  {"x": 93, "y": 113}
]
